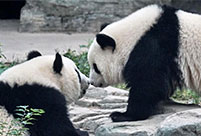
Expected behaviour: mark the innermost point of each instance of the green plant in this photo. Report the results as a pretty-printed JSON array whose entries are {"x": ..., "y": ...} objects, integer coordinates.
[
  {"x": 26, "y": 114},
  {"x": 4, "y": 66},
  {"x": 17, "y": 126},
  {"x": 1, "y": 54},
  {"x": 121, "y": 86},
  {"x": 80, "y": 59},
  {"x": 186, "y": 96}
]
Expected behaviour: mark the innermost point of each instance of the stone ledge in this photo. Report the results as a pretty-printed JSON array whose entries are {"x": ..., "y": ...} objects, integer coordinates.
[{"x": 92, "y": 112}]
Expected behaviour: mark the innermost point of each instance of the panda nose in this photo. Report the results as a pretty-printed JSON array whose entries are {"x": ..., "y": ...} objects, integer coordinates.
[
  {"x": 100, "y": 85},
  {"x": 92, "y": 83}
]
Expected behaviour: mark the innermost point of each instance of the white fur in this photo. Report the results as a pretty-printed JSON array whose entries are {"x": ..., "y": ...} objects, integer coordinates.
[
  {"x": 40, "y": 70},
  {"x": 190, "y": 49},
  {"x": 129, "y": 30},
  {"x": 126, "y": 33}
]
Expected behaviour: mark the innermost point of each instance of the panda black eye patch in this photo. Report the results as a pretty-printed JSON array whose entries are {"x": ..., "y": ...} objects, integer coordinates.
[{"x": 96, "y": 68}]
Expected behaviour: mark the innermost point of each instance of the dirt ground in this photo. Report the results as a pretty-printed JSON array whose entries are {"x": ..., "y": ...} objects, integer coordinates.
[{"x": 16, "y": 45}]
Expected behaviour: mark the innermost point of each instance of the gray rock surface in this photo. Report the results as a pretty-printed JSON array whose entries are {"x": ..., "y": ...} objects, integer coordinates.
[
  {"x": 94, "y": 108},
  {"x": 185, "y": 123},
  {"x": 85, "y": 15},
  {"x": 92, "y": 112}
]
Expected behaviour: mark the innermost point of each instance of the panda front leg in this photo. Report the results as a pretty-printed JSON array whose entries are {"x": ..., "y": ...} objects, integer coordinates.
[{"x": 142, "y": 103}]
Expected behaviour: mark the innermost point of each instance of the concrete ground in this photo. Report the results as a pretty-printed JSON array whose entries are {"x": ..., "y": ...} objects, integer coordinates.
[{"x": 16, "y": 45}]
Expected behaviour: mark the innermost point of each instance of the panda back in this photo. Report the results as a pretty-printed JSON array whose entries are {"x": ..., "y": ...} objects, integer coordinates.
[{"x": 190, "y": 48}]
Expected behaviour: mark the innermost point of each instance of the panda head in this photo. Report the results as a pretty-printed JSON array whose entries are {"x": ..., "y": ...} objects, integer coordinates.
[
  {"x": 51, "y": 71},
  {"x": 105, "y": 61},
  {"x": 107, "y": 55},
  {"x": 103, "y": 65},
  {"x": 112, "y": 46}
]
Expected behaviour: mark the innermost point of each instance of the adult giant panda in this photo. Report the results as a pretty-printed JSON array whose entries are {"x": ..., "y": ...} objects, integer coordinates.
[
  {"x": 154, "y": 50},
  {"x": 44, "y": 82}
]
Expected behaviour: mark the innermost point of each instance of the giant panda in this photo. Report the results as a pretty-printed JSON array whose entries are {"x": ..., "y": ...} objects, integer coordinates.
[
  {"x": 154, "y": 51},
  {"x": 43, "y": 82}
]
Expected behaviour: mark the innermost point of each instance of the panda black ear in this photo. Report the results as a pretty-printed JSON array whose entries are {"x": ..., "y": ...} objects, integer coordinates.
[
  {"x": 58, "y": 64},
  {"x": 105, "y": 41},
  {"x": 33, "y": 54},
  {"x": 103, "y": 26}
]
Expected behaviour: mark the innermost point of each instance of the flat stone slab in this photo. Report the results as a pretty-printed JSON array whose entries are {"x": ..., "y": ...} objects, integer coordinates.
[
  {"x": 92, "y": 112},
  {"x": 94, "y": 108}
]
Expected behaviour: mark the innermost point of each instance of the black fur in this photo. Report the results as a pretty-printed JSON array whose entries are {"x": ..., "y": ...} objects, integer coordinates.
[
  {"x": 33, "y": 54},
  {"x": 78, "y": 74},
  {"x": 58, "y": 64},
  {"x": 55, "y": 120},
  {"x": 105, "y": 41},
  {"x": 103, "y": 26},
  {"x": 152, "y": 71}
]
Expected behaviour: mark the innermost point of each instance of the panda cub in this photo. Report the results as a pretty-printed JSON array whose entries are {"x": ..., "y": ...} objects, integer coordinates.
[
  {"x": 43, "y": 82},
  {"x": 154, "y": 50}
]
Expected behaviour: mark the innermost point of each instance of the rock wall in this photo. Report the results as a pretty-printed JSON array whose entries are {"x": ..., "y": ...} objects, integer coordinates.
[{"x": 85, "y": 15}]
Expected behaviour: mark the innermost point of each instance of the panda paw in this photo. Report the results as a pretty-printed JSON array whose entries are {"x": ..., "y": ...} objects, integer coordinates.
[
  {"x": 82, "y": 133},
  {"x": 120, "y": 117}
]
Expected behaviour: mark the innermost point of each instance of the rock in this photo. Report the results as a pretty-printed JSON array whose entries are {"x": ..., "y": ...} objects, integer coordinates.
[
  {"x": 92, "y": 112},
  {"x": 85, "y": 15},
  {"x": 185, "y": 123},
  {"x": 138, "y": 128},
  {"x": 94, "y": 108}
]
